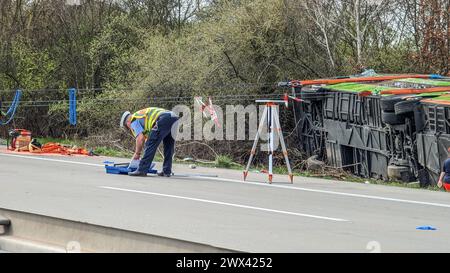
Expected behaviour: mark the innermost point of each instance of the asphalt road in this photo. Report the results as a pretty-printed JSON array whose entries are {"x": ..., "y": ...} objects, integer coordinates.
[{"x": 312, "y": 215}]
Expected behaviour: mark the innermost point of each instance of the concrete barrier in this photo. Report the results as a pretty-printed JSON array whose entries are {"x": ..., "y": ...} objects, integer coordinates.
[{"x": 29, "y": 232}]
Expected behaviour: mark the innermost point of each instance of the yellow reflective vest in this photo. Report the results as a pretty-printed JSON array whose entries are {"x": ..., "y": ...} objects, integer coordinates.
[{"x": 149, "y": 115}]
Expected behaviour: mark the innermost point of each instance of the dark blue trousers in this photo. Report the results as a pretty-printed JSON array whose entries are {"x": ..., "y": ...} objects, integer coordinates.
[{"x": 160, "y": 132}]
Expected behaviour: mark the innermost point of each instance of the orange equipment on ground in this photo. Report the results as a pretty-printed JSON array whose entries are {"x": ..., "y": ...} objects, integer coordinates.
[
  {"x": 57, "y": 148},
  {"x": 20, "y": 140}
]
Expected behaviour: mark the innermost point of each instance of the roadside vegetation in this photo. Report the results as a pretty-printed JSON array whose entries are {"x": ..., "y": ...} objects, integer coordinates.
[{"x": 128, "y": 54}]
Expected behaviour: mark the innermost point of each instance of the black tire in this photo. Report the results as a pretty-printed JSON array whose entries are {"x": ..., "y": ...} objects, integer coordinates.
[
  {"x": 388, "y": 103},
  {"x": 406, "y": 106},
  {"x": 391, "y": 118}
]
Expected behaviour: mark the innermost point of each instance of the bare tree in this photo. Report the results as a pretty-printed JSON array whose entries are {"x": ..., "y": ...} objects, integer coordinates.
[
  {"x": 351, "y": 18},
  {"x": 317, "y": 11}
]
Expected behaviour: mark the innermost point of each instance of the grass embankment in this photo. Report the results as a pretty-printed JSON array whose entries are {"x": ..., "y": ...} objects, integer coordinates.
[{"x": 223, "y": 161}]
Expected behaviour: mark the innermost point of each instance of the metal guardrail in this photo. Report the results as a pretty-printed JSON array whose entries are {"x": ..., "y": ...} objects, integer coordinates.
[
  {"x": 4, "y": 225},
  {"x": 4, "y": 221},
  {"x": 29, "y": 232}
]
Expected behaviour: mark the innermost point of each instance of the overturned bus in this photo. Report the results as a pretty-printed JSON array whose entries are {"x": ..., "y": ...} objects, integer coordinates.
[{"x": 390, "y": 127}]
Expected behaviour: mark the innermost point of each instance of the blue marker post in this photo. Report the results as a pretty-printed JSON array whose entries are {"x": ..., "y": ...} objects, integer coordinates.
[
  {"x": 12, "y": 109},
  {"x": 73, "y": 106}
]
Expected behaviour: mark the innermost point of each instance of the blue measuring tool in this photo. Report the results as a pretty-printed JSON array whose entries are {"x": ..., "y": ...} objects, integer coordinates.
[{"x": 122, "y": 168}]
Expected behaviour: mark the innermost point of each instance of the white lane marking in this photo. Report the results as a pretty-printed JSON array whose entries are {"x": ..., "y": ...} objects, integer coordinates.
[
  {"x": 264, "y": 185},
  {"x": 227, "y": 204},
  {"x": 331, "y": 192},
  {"x": 54, "y": 160}
]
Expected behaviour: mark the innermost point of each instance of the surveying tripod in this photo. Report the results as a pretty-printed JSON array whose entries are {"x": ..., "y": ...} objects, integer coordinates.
[{"x": 270, "y": 116}]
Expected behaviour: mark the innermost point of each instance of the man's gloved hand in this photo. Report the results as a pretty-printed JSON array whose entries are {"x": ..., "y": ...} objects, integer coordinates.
[{"x": 134, "y": 163}]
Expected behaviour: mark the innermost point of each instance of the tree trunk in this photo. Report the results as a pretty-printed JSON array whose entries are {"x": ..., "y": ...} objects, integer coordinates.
[{"x": 358, "y": 33}]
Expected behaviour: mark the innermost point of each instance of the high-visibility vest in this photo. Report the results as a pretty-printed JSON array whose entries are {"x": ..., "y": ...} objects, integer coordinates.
[{"x": 149, "y": 115}]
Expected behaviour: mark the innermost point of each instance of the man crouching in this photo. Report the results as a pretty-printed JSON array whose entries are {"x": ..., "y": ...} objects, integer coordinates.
[{"x": 151, "y": 126}]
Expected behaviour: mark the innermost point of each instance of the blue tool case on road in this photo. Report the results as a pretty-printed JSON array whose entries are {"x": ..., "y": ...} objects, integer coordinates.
[{"x": 122, "y": 168}]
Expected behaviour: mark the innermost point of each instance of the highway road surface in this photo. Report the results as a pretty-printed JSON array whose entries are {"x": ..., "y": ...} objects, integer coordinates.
[{"x": 311, "y": 215}]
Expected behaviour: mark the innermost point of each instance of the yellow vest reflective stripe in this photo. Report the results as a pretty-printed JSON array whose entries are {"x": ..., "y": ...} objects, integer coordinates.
[
  {"x": 152, "y": 115},
  {"x": 149, "y": 115}
]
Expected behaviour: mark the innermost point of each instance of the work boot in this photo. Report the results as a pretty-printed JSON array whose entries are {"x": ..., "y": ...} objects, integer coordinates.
[
  {"x": 164, "y": 174},
  {"x": 137, "y": 173}
]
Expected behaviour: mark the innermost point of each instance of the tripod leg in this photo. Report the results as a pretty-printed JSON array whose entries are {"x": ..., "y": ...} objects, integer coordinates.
[
  {"x": 271, "y": 135},
  {"x": 283, "y": 146},
  {"x": 255, "y": 143}
]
